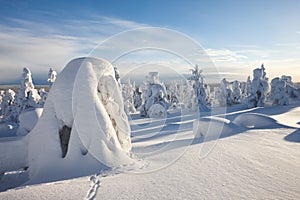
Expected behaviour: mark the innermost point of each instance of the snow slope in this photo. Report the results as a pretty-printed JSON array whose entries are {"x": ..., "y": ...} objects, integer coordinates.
[{"x": 246, "y": 162}]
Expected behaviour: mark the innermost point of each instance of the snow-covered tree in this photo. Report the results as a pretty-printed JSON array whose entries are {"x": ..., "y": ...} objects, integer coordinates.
[
  {"x": 28, "y": 96},
  {"x": 137, "y": 98},
  {"x": 236, "y": 92},
  {"x": 94, "y": 131},
  {"x": 43, "y": 94},
  {"x": 245, "y": 88},
  {"x": 8, "y": 108},
  {"x": 278, "y": 94},
  {"x": 201, "y": 89},
  {"x": 291, "y": 89},
  {"x": 187, "y": 96},
  {"x": 2, "y": 94},
  {"x": 172, "y": 94},
  {"x": 224, "y": 93},
  {"x": 51, "y": 77},
  {"x": 117, "y": 74},
  {"x": 128, "y": 96},
  {"x": 259, "y": 88},
  {"x": 155, "y": 103}
]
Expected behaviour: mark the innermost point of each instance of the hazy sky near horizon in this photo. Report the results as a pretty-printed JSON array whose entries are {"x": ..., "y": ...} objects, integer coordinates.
[{"x": 237, "y": 35}]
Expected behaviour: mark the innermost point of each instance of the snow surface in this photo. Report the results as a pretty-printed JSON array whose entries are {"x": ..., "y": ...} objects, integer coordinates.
[{"x": 246, "y": 162}]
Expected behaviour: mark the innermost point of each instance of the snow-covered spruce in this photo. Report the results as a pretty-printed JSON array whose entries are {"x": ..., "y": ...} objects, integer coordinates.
[
  {"x": 84, "y": 126},
  {"x": 173, "y": 94},
  {"x": 236, "y": 92},
  {"x": 51, "y": 77},
  {"x": 8, "y": 109},
  {"x": 245, "y": 88},
  {"x": 187, "y": 96},
  {"x": 128, "y": 96},
  {"x": 2, "y": 93},
  {"x": 137, "y": 98},
  {"x": 228, "y": 93},
  {"x": 259, "y": 88},
  {"x": 43, "y": 96},
  {"x": 155, "y": 103},
  {"x": 291, "y": 90},
  {"x": 201, "y": 89},
  {"x": 224, "y": 93},
  {"x": 278, "y": 94},
  {"x": 28, "y": 96}
]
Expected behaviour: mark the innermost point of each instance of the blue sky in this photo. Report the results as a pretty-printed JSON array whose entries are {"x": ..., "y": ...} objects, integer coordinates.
[{"x": 237, "y": 35}]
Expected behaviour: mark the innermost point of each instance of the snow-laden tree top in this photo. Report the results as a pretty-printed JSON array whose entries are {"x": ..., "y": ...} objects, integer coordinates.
[{"x": 51, "y": 76}]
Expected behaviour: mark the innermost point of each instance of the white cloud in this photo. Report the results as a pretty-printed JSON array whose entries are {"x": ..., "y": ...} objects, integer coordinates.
[
  {"x": 224, "y": 55},
  {"x": 19, "y": 48},
  {"x": 40, "y": 45}
]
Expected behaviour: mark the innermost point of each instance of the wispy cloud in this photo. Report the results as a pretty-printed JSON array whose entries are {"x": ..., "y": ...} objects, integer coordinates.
[
  {"x": 224, "y": 55},
  {"x": 41, "y": 45}
]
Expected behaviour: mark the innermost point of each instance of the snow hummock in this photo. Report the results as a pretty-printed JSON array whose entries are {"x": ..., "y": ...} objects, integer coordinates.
[
  {"x": 83, "y": 113},
  {"x": 28, "y": 119},
  {"x": 254, "y": 120}
]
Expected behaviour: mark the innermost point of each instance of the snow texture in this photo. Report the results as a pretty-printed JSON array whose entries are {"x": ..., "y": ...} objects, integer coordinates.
[{"x": 240, "y": 165}]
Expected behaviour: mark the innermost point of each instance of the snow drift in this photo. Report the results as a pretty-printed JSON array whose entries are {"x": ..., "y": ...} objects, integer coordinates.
[
  {"x": 255, "y": 120},
  {"x": 83, "y": 127},
  {"x": 213, "y": 127},
  {"x": 28, "y": 119}
]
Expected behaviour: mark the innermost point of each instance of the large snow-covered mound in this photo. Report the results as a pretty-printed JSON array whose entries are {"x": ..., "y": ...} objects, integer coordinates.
[
  {"x": 83, "y": 127},
  {"x": 255, "y": 120},
  {"x": 213, "y": 127}
]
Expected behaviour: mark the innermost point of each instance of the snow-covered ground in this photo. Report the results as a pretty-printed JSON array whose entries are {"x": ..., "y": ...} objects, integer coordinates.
[{"x": 257, "y": 156}]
